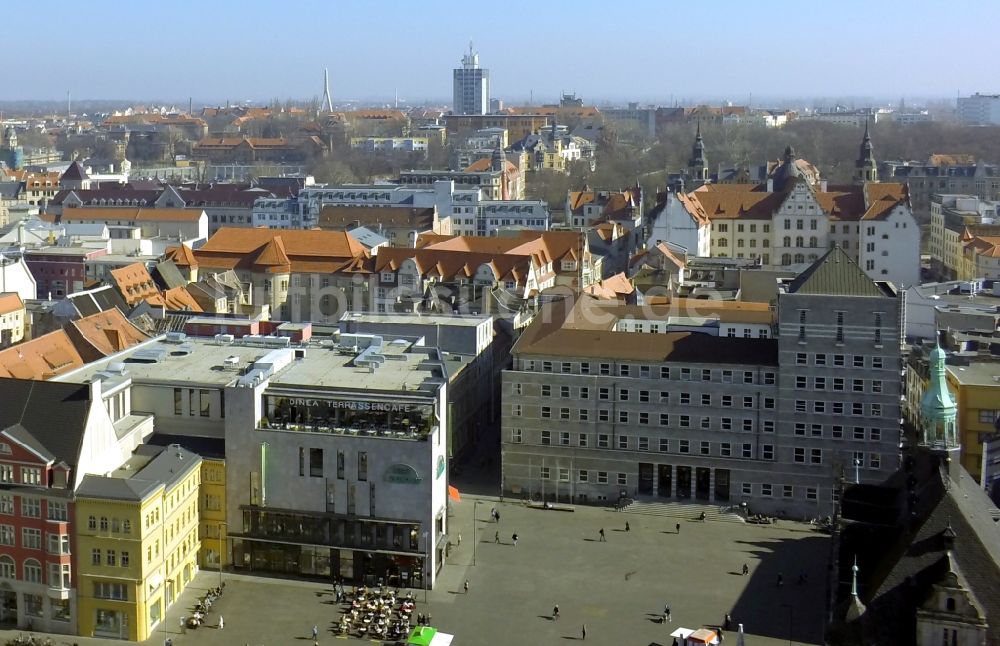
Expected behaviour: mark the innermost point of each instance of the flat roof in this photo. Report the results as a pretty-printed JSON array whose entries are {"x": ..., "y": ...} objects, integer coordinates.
[
  {"x": 203, "y": 361},
  {"x": 980, "y": 373}
]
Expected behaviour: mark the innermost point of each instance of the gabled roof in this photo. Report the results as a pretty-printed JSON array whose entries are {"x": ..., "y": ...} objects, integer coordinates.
[
  {"x": 835, "y": 274},
  {"x": 41, "y": 358},
  {"x": 103, "y": 334},
  {"x": 53, "y": 415},
  {"x": 10, "y": 302},
  {"x": 267, "y": 250},
  {"x": 176, "y": 299},
  {"x": 75, "y": 172},
  {"x": 450, "y": 265},
  {"x": 134, "y": 283},
  {"x": 181, "y": 256},
  {"x": 96, "y": 300},
  {"x": 613, "y": 287}
]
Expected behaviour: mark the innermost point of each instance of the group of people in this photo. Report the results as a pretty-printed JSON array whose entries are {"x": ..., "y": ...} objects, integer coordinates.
[{"x": 377, "y": 613}]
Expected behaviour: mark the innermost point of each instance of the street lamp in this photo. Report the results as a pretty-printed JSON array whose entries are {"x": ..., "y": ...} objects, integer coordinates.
[
  {"x": 475, "y": 508},
  {"x": 789, "y": 606},
  {"x": 222, "y": 550}
]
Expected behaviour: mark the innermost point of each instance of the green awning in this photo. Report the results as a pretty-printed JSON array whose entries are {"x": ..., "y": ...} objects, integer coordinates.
[{"x": 421, "y": 636}]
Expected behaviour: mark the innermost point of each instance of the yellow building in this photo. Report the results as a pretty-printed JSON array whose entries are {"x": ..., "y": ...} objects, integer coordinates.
[
  {"x": 137, "y": 541},
  {"x": 213, "y": 514},
  {"x": 976, "y": 388}
]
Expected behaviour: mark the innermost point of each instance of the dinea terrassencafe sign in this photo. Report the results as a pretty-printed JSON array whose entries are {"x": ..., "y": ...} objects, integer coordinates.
[{"x": 385, "y": 407}]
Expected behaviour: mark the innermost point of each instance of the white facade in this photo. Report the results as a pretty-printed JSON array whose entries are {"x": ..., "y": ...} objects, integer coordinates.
[
  {"x": 15, "y": 277},
  {"x": 672, "y": 223},
  {"x": 979, "y": 109}
]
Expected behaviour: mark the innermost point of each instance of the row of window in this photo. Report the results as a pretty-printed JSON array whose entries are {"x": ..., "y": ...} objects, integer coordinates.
[
  {"x": 311, "y": 464},
  {"x": 838, "y": 384},
  {"x": 822, "y": 407},
  {"x": 112, "y": 558},
  {"x": 647, "y": 372},
  {"x": 768, "y": 490},
  {"x": 31, "y": 539},
  {"x": 59, "y": 574},
  {"x": 821, "y": 359},
  {"x": 29, "y": 475},
  {"x": 32, "y": 507},
  {"x": 645, "y": 396},
  {"x": 644, "y": 418}
]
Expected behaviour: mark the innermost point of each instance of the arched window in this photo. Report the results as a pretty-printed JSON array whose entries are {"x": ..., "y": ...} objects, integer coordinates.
[
  {"x": 723, "y": 242},
  {"x": 798, "y": 241},
  {"x": 812, "y": 241},
  {"x": 92, "y": 522},
  {"x": 32, "y": 571},
  {"x": 799, "y": 258},
  {"x": 786, "y": 259},
  {"x": 7, "y": 569},
  {"x": 787, "y": 242},
  {"x": 950, "y": 604}
]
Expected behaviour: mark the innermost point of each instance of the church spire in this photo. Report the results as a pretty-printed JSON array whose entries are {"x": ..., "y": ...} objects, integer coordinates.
[
  {"x": 698, "y": 164},
  {"x": 866, "y": 169},
  {"x": 937, "y": 406}
]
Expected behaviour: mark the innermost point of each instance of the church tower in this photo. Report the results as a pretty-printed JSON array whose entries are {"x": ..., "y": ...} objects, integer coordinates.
[
  {"x": 698, "y": 164},
  {"x": 865, "y": 168},
  {"x": 938, "y": 410}
]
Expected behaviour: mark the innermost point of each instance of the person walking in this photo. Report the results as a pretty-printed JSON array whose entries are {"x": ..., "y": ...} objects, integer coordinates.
[
  {"x": 583, "y": 632},
  {"x": 459, "y": 539},
  {"x": 222, "y": 622},
  {"x": 493, "y": 514},
  {"x": 514, "y": 538},
  {"x": 746, "y": 569},
  {"x": 496, "y": 516},
  {"x": 496, "y": 537},
  {"x": 678, "y": 528},
  {"x": 601, "y": 532},
  {"x": 555, "y": 612},
  {"x": 315, "y": 633},
  {"x": 466, "y": 586},
  {"x": 627, "y": 528},
  {"x": 183, "y": 624},
  {"x": 666, "y": 613}
]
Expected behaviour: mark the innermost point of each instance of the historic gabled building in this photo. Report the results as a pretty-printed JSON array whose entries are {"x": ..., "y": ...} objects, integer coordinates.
[{"x": 792, "y": 217}]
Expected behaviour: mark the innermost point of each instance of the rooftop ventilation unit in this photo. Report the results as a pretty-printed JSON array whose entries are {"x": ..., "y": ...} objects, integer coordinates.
[{"x": 175, "y": 337}]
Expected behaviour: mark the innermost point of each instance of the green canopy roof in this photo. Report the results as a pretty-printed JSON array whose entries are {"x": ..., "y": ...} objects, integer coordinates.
[{"x": 421, "y": 636}]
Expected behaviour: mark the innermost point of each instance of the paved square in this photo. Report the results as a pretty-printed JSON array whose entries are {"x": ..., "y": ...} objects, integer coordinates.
[{"x": 617, "y": 588}]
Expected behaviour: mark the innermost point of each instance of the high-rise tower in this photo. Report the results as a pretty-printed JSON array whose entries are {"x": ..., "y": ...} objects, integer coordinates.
[{"x": 471, "y": 86}]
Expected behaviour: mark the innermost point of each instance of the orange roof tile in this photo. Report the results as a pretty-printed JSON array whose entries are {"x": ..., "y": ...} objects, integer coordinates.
[
  {"x": 612, "y": 288},
  {"x": 176, "y": 299},
  {"x": 299, "y": 251},
  {"x": 10, "y": 302},
  {"x": 134, "y": 283},
  {"x": 41, "y": 358},
  {"x": 182, "y": 256},
  {"x": 104, "y": 333}
]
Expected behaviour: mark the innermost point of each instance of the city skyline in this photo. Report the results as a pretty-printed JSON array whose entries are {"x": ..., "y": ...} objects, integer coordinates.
[{"x": 660, "y": 53}]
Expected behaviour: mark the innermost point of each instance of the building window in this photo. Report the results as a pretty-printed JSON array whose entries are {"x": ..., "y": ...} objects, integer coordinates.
[
  {"x": 204, "y": 397},
  {"x": 178, "y": 401},
  {"x": 546, "y": 412},
  {"x": 800, "y": 454},
  {"x": 581, "y": 439},
  {"x": 362, "y": 465},
  {"x": 664, "y": 445},
  {"x": 602, "y": 477},
  {"x": 57, "y": 510},
  {"x": 31, "y": 507},
  {"x": 815, "y": 456},
  {"x": 766, "y": 490},
  {"x": 546, "y": 437},
  {"x": 546, "y": 390},
  {"x": 767, "y": 452},
  {"x": 706, "y": 448},
  {"x": 603, "y": 440},
  {"x": 582, "y": 475},
  {"x": 515, "y": 435},
  {"x": 685, "y": 446},
  {"x": 31, "y": 538},
  {"x": 788, "y": 491}
]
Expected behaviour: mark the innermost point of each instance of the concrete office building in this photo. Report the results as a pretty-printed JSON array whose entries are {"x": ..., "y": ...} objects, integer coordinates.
[
  {"x": 335, "y": 453},
  {"x": 471, "y": 86},
  {"x": 978, "y": 109},
  {"x": 678, "y": 411}
]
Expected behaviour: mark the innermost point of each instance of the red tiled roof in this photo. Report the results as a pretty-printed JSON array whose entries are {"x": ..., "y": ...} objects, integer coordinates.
[
  {"x": 41, "y": 358},
  {"x": 134, "y": 283},
  {"x": 299, "y": 251},
  {"x": 10, "y": 302}
]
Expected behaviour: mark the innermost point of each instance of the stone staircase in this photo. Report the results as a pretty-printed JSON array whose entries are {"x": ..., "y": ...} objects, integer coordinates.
[{"x": 682, "y": 511}]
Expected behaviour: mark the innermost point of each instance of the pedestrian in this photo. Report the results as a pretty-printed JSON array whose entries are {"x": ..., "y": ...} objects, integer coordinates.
[
  {"x": 583, "y": 632},
  {"x": 420, "y": 619},
  {"x": 466, "y": 586},
  {"x": 222, "y": 622},
  {"x": 496, "y": 517},
  {"x": 678, "y": 528},
  {"x": 493, "y": 514},
  {"x": 496, "y": 537},
  {"x": 746, "y": 569},
  {"x": 602, "y": 535},
  {"x": 627, "y": 528},
  {"x": 666, "y": 613},
  {"x": 460, "y": 539},
  {"x": 781, "y": 580},
  {"x": 427, "y": 620},
  {"x": 555, "y": 612},
  {"x": 315, "y": 633},
  {"x": 183, "y": 624},
  {"x": 514, "y": 538}
]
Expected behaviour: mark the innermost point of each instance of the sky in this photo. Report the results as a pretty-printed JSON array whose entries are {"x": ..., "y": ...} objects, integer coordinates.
[{"x": 659, "y": 51}]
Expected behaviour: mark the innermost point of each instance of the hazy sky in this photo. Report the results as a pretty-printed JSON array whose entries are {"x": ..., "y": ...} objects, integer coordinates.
[{"x": 602, "y": 50}]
